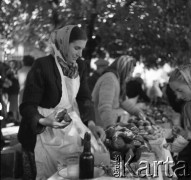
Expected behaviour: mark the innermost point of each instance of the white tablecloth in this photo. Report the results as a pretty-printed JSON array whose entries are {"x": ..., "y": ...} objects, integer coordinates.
[
  {"x": 57, "y": 177},
  {"x": 160, "y": 177},
  {"x": 166, "y": 154}
]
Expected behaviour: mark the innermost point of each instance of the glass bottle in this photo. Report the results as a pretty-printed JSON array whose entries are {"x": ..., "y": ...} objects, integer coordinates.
[{"x": 86, "y": 159}]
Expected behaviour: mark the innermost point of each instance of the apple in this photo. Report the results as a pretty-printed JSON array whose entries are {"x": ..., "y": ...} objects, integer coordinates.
[
  {"x": 148, "y": 128},
  {"x": 141, "y": 127}
]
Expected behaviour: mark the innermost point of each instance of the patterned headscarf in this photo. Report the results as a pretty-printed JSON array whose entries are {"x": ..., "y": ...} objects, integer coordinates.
[
  {"x": 186, "y": 115},
  {"x": 59, "y": 42},
  {"x": 186, "y": 73},
  {"x": 125, "y": 64},
  {"x": 122, "y": 68}
]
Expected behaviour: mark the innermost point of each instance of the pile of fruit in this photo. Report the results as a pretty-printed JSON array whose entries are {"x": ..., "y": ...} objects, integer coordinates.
[
  {"x": 131, "y": 140},
  {"x": 158, "y": 114},
  {"x": 146, "y": 128},
  {"x": 136, "y": 133},
  {"x": 124, "y": 138}
]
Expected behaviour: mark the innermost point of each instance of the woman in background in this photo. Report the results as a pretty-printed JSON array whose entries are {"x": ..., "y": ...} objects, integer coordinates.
[
  {"x": 180, "y": 83},
  {"x": 109, "y": 94}
]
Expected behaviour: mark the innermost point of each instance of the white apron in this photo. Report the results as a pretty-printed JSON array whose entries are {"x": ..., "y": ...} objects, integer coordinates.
[{"x": 53, "y": 145}]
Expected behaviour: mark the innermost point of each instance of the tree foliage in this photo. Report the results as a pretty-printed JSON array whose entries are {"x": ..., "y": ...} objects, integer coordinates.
[{"x": 153, "y": 31}]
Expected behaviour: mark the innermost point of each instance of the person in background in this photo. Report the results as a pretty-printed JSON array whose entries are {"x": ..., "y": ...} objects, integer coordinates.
[
  {"x": 135, "y": 89},
  {"x": 55, "y": 82},
  {"x": 101, "y": 64},
  {"x": 180, "y": 83},
  {"x": 109, "y": 94},
  {"x": 22, "y": 74},
  {"x": 11, "y": 87},
  {"x": 3, "y": 109},
  {"x": 155, "y": 93},
  {"x": 4, "y": 84}
]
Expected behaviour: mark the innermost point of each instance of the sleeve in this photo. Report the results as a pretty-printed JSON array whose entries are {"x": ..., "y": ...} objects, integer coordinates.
[
  {"x": 33, "y": 92},
  {"x": 84, "y": 99},
  {"x": 106, "y": 97}
]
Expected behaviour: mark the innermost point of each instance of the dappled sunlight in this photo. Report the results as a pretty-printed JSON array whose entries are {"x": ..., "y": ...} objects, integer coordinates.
[{"x": 150, "y": 75}]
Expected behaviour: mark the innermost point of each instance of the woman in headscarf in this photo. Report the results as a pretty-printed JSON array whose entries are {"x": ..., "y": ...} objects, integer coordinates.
[
  {"x": 109, "y": 94},
  {"x": 180, "y": 83},
  {"x": 54, "y": 84}
]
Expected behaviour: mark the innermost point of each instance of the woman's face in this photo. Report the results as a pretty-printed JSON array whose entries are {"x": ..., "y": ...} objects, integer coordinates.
[
  {"x": 75, "y": 50},
  {"x": 181, "y": 90}
]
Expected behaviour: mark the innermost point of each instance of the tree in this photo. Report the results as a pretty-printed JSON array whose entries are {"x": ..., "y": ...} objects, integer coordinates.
[{"x": 154, "y": 31}]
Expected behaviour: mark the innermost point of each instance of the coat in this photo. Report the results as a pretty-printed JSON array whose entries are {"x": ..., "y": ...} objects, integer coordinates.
[{"x": 43, "y": 88}]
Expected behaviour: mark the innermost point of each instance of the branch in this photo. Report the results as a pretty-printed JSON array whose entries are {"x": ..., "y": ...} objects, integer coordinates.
[{"x": 55, "y": 17}]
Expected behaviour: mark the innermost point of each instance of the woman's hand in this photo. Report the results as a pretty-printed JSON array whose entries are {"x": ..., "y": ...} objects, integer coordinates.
[
  {"x": 51, "y": 121},
  {"x": 97, "y": 131}
]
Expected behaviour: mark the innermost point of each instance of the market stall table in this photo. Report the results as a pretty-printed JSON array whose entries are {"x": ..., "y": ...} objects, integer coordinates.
[
  {"x": 161, "y": 153},
  {"x": 161, "y": 175},
  {"x": 57, "y": 177}
]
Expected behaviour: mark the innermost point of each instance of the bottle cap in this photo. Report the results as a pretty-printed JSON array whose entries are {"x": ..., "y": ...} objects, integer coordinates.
[{"x": 87, "y": 136}]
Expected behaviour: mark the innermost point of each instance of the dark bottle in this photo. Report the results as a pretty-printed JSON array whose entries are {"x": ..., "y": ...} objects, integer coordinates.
[{"x": 86, "y": 159}]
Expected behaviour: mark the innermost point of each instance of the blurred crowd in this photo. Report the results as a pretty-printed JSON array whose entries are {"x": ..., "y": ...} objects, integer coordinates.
[{"x": 12, "y": 79}]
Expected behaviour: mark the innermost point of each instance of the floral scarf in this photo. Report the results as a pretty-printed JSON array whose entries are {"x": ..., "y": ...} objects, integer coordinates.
[
  {"x": 122, "y": 67},
  {"x": 59, "y": 42}
]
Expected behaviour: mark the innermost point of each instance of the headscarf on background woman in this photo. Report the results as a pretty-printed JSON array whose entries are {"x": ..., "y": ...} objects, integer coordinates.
[
  {"x": 122, "y": 68},
  {"x": 59, "y": 42},
  {"x": 183, "y": 74},
  {"x": 186, "y": 115},
  {"x": 186, "y": 73}
]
